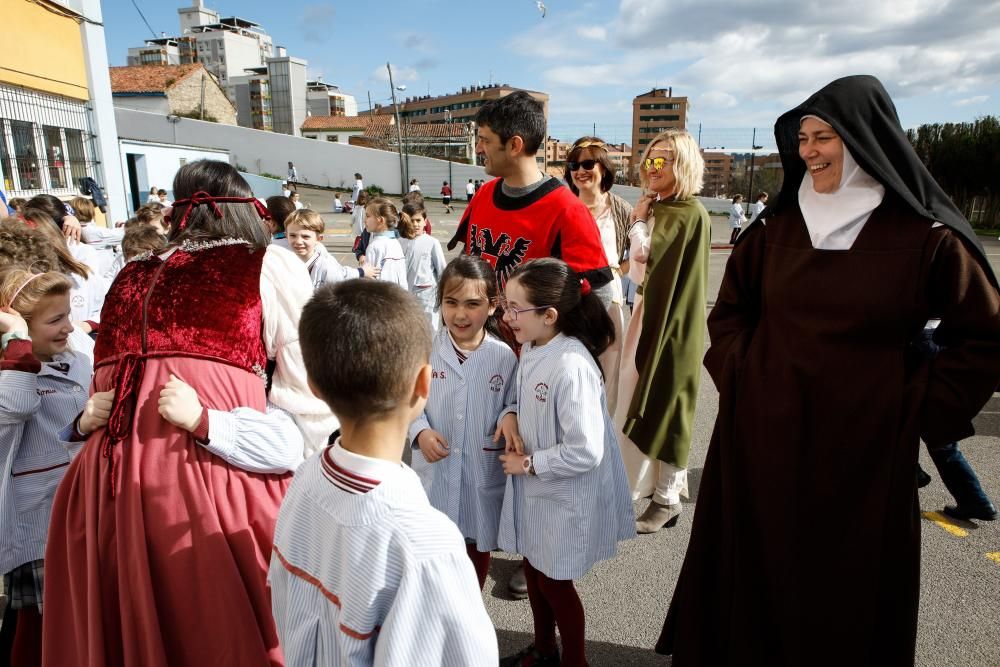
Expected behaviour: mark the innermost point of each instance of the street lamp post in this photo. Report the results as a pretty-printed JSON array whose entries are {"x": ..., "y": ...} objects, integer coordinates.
[
  {"x": 399, "y": 133},
  {"x": 447, "y": 148}
]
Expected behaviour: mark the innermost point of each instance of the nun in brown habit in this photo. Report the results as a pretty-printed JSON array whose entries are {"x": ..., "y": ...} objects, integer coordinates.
[{"x": 805, "y": 548}]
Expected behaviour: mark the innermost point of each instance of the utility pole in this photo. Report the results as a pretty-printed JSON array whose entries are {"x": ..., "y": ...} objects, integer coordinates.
[
  {"x": 753, "y": 152},
  {"x": 369, "y": 102},
  {"x": 447, "y": 147},
  {"x": 399, "y": 133}
]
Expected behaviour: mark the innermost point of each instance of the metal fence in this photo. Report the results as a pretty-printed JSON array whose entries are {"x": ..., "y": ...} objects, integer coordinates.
[{"x": 46, "y": 143}]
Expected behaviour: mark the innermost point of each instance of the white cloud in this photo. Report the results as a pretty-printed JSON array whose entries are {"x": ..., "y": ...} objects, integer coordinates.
[
  {"x": 399, "y": 74},
  {"x": 716, "y": 99},
  {"x": 978, "y": 99},
  {"x": 316, "y": 22},
  {"x": 598, "y": 33}
]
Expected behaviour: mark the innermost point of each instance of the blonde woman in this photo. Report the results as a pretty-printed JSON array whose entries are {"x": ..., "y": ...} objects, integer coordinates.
[{"x": 663, "y": 347}]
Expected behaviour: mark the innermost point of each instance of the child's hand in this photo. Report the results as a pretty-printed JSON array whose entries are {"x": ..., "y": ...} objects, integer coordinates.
[
  {"x": 95, "y": 414},
  {"x": 507, "y": 428},
  {"x": 432, "y": 445},
  {"x": 179, "y": 404},
  {"x": 370, "y": 271},
  {"x": 11, "y": 320},
  {"x": 513, "y": 464}
]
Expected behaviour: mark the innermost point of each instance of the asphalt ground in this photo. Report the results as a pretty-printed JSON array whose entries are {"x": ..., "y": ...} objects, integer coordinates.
[{"x": 626, "y": 598}]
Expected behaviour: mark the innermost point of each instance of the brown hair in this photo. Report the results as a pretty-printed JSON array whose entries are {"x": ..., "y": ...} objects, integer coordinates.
[
  {"x": 383, "y": 208},
  {"x": 279, "y": 208},
  {"x": 17, "y": 203},
  {"x": 141, "y": 238},
  {"x": 33, "y": 288},
  {"x": 307, "y": 219},
  {"x": 83, "y": 208},
  {"x": 600, "y": 152},
  {"x": 358, "y": 340},
  {"x": 472, "y": 268},
  {"x": 551, "y": 282},
  {"x": 20, "y": 245},
  {"x": 408, "y": 229},
  {"x": 44, "y": 226},
  {"x": 362, "y": 198}
]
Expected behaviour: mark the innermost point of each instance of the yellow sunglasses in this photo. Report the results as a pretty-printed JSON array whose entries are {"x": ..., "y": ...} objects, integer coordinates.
[{"x": 657, "y": 162}]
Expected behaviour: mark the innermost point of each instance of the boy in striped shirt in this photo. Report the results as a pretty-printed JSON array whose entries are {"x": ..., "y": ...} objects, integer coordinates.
[{"x": 364, "y": 570}]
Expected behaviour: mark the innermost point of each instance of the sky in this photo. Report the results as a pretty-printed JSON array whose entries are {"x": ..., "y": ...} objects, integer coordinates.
[{"x": 741, "y": 63}]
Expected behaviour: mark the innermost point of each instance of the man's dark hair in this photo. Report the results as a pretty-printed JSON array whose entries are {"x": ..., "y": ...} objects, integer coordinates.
[
  {"x": 363, "y": 341},
  {"x": 518, "y": 114}
]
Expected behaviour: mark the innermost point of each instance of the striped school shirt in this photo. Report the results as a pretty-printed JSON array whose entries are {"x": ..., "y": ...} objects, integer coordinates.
[
  {"x": 577, "y": 508},
  {"x": 466, "y": 400},
  {"x": 385, "y": 253},
  {"x": 36, "y": 402},
  {"x": 373, "y": 578}
]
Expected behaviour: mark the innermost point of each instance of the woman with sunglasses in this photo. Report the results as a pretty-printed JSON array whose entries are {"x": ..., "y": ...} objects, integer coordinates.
[
  {"x": 590, "y": 173},
  {"x": 662, "y": 352},
  {"x": 161, "y": 534}
]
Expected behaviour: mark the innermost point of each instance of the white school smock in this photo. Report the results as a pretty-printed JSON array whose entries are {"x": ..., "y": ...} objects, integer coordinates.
[
  {"x": 34, "y": 408},
  {"x": 385, "y": 252},
  {"x": 380, "y": 578},
  {"x": 577, "y": 508},
  {"x": 465, "y": 403},
  {"x": 424, "y": 265}
]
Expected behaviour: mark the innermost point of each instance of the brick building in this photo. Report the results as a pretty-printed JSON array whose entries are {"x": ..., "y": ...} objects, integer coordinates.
[
  {"x": 172, "y": 89},
  {"x": 718, "y": 173},
  {"x": 652, "y": 113},
  {"x": 462, "y": 106}
]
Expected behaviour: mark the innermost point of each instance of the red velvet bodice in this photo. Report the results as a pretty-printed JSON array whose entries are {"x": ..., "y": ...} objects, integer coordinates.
[{"x": 202, "y": 301}]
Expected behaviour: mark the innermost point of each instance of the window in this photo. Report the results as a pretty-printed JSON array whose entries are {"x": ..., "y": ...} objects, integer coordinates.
[
  {"x": 309, "y": 136},
  {"x": 54, "y": 153},
  {"x": 76, "y": 154},
  {"x": 333, "y": 137},
  {"x": 660, "y": 117},
  {"x": 24, "y": 154}
]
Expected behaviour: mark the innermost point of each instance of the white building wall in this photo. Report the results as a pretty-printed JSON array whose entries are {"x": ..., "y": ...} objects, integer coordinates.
[
  {"x": 157, "y": 164},
  {"x": 103, "y": 112},
  {"x": 319, "y": 162},
  {"x": 148, "y": 103},
  {"x": 342, "y": 136}
]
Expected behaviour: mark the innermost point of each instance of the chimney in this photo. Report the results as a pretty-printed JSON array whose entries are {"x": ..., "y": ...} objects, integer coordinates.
[{"x": 280, "y": 51}]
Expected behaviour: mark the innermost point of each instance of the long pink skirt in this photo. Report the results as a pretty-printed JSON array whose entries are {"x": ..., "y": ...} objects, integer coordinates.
[{"x": 171, "y": 571}]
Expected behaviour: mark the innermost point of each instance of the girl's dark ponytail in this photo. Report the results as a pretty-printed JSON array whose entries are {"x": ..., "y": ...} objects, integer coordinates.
[{"x": 551, "y": 281}]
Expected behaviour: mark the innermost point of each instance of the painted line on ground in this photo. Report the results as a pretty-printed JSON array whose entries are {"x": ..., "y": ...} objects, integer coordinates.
[
  {"x": 945, "y": 524},
  {"x": 995, "y": 557}
]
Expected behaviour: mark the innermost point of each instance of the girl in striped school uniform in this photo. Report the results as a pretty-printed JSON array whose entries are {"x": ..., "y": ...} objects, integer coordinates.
[
  {"x": 567, "y": 502},
  {"x": 383, "y": 251},
  {"x": 43, "y": 387},
  {"x": 456, "y": 439},
  {"x": 424, "y": 259}
]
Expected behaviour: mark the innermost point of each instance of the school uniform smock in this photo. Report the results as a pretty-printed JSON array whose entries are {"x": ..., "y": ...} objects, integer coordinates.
[
  {"x": 366, "y": 572},
  {"x": 465, "y": 404},
  {"x": 576, "y": 508},
  {"x": 385, "y": 252},
  {"x": 37, "y": 400},
  {"x": 424, "y": 265}
]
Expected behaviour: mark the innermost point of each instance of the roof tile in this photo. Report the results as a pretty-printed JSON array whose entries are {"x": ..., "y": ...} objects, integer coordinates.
[{"x": 149, "y": 78}]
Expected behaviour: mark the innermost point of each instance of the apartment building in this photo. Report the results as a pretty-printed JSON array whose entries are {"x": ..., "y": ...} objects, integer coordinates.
[
  {"x": 718, "y": 173},
  {"x": 652, "y": 113},
  {"x": 460, "y": 106}
]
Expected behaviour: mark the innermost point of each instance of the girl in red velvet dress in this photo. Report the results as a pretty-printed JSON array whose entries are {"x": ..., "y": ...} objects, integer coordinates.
[{"x": 161, "y": 531}]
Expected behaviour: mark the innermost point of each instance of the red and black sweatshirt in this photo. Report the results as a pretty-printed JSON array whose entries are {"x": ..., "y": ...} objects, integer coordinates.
[{"x": 548, "y": 222}]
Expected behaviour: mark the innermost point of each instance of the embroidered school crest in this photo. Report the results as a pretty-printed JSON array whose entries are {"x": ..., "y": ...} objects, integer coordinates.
[
  {"x": 501, "y": 252},
  {"x": 496, "y": 383},
  {"x": 541, "y": 392}
]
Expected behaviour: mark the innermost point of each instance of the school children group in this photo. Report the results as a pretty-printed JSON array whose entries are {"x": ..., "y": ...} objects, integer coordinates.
[{"x": 148, "y": 508}]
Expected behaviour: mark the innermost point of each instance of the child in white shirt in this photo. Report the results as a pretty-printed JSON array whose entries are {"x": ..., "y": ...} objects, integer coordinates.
[
  {"x": 383, "y": 251},
  {"x": 304, "y": 229},
  {"x": 424, "y": 259},
  {"x": 364, "y": 571}
]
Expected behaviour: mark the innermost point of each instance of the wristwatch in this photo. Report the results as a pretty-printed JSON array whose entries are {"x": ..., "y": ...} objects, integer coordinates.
[{"x": 529, "y": 465}]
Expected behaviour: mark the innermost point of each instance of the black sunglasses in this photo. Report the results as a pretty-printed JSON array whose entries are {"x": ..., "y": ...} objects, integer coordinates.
[{"x": 586, "y": 164}]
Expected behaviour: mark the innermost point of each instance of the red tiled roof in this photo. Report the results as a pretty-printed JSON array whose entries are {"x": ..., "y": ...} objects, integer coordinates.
[
  {"x": 149, "y": 78},
  {"x": 345, "y": 122},
  {"x": 419, "y": 131}
]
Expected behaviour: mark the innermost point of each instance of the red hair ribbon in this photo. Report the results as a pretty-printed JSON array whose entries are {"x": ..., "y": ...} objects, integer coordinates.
[
  {"x": 584, "y": 287},
  {"x": 202, "y": 197}
]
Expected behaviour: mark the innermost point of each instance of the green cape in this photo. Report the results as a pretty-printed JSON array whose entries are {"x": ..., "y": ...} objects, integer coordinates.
[{"x": 672, "y": 340}]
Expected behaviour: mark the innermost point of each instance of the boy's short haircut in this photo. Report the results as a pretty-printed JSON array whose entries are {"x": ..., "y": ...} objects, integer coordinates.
[
  {"x": 161, "y": 191},
  {"x": 363, "y": 341},
  {"x": 141, "y": 238},
  {"x": 307, "y": 219},
  {"x": 517, "y": 114},
  {"x": 83, "y": 208}
]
